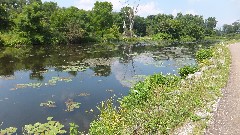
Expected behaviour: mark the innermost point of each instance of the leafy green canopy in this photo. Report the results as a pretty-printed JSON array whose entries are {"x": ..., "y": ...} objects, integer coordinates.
[{"x": 24, "y": 22}]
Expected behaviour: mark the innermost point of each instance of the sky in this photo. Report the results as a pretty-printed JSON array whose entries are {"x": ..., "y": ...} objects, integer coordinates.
[{"x": 225, "y": 11}]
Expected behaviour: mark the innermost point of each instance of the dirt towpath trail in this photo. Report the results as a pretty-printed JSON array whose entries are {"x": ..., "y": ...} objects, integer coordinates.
[{"x": 227, "y": 117}]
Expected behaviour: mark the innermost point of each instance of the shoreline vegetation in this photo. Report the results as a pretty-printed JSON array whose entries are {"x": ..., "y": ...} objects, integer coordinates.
[
  {"x": 26, "y": 23},
  {"x": 165, "y": 104},
  {"x": 161, "y": 104}
]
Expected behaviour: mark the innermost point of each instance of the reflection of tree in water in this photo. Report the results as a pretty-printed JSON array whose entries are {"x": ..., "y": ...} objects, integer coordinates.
[
  {"x": 102, "y": 70},
  {"x": 8, "y": 65},
  {"x": 98, "y": 57},
  {"x": 37, "y": 73},
  {"x": 73, "y": 73}
]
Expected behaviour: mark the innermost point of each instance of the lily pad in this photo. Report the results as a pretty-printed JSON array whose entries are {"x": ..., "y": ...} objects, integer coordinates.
[
  {"x": 71, "y": 105},
  {"x": 110, "y": 90},
  {"x": 83, "y": 94},
  {"x": 49, "y": 128},
  {"x": 54, "y": 80},
  {"x": 49, "y": 104},
  {"x": 8, "y": 131}
]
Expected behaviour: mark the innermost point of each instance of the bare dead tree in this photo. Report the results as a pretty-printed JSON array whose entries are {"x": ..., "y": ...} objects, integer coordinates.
[{"x": 130, "y": 15}]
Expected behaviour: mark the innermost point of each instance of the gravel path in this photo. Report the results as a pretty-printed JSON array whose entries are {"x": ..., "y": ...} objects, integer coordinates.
[{"x": 227, "y": 117}]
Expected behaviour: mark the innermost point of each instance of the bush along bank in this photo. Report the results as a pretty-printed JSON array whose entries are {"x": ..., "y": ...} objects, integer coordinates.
[{"x": 169, "y": 104}]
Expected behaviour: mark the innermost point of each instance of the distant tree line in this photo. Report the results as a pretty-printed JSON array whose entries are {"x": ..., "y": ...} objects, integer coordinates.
[
  {"x": 27, "y": 22},
  {"x": 231, "y": 28}
]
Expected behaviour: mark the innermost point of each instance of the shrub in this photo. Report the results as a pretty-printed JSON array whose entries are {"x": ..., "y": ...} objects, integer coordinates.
[
  {"x": 14, "y": 39},
  {"x": 204, "y": 54},
  {"x": 186, "y": 70},
  {"x": 162, "y": 36}
]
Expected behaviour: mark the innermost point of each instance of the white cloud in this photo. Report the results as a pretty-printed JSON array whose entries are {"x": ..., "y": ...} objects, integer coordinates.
[
  {"x": 175, "y": 12},
  {"x": 148, "y": 9},
  {"x": 88, "y": 4},
  {"x": 191, "y": 11},
  {"x": 85, "y": 4}
]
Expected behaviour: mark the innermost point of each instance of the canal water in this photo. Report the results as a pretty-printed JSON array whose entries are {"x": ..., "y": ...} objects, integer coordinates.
[{"x": 84, "y": 74}]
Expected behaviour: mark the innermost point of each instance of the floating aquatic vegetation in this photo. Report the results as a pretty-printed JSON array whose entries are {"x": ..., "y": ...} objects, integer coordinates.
[
  {"x": 49, "y": 128},
  {"x": 54, "y": 80},
  {"x": 33, "y": 85},
  {"x": 155, "y": 63},
  {"x": 71, "y": 105},
  {"x": 83, "y": 94},
  {"x": 74, "y": 68},
  {"x": 8, "y": 77},
  {"x": 49, "y": 104},
  {"x": 139, "y": 77},
  {"x": 8, "y": 131},
  {"x": 110, "y": 90}
]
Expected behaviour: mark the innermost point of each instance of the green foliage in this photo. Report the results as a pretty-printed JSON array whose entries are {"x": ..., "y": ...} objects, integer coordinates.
[
  {"x": 186, "y": 70},
  {"x": 72, "y": 105},
  {"x": 8, "y": 131},
  {"x": 160, "y": 104},
  {"x": 161, "y": 36},
  {"x": 14, "y": 39},
  {"x": 112, "y": 34},
  {"x": 102, "y": 18},
  {"x": 204, "y": 54},
  {"x": 50, "y": 104},
  {"x": 73, "y": 129},
  {"x": 49, "y": 128},
  {"x": 33, "y": 22},
  {"x": 69, "y": 25},
  {"x": 210, "y": 23},
  {"x": 231, "y": 28},
  {"x": 140, "y": 26},
  {"x": 4, "y": 18},
  {"x": 143, "y": 91}
]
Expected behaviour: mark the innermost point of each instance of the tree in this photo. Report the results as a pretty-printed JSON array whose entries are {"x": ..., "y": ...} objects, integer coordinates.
[
  {"x": 102, "y": 18},
  {"x": 236, "y": 26},
  {"x": 192, "y": 25},
  {"x": 69, "y": 25},
  {"x": 210, "y": 24},
  {"x": 4, "y": 20},
  {"x": 227, "y": 29},
  {"x": 32, "y": 24},
  {"x": 151, "y": 25},
  {"x": 139, "y": 26}
]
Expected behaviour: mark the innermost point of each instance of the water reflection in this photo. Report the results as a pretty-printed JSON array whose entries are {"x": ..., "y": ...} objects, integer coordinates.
[{"x": 29, "y": 77}]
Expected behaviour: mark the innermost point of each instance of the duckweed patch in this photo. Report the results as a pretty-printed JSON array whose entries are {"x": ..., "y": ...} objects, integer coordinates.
[
  {"x": 74, "y": 68},
  {"x": 33, "y": 85},
  {"x": 50, "y": 128},
  {"x": 54, "y": 80},
  {"x": 71, "y": 106},
  {"x": 8, "y": 131},
  {"x": 50, "y": 104},
  {"x": 84, "y": 94}
]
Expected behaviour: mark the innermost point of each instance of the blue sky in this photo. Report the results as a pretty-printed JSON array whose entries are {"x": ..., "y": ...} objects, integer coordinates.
[{"x": 226, "y": 11}]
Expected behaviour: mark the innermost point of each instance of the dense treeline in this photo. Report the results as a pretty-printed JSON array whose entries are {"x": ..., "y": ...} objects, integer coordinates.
[
  {"x": 26, "y": 22},
  {"x": 232, "y": 28}
]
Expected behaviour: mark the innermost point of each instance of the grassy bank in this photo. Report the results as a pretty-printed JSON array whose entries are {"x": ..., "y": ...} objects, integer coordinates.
[{"x": 166, "y": 104}]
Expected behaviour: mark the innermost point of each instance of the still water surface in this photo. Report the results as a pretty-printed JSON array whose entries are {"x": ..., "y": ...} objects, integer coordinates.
[{"x": 86, "y": 74}]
